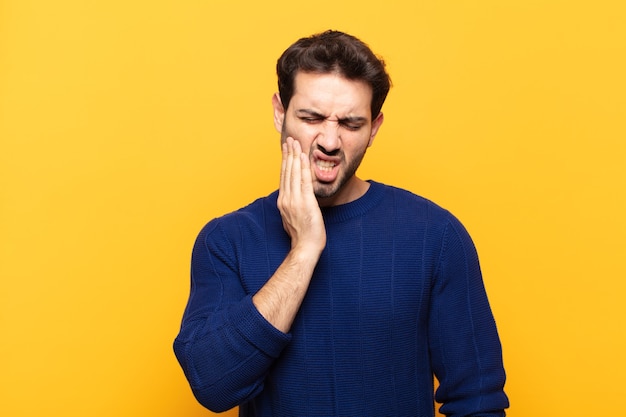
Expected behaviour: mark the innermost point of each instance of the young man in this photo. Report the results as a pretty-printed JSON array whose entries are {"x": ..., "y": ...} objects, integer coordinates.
[{"x": 336, "y": 296}]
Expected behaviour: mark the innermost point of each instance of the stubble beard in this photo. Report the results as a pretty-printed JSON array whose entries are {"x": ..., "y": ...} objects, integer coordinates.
[{"x": 327, "y": 190}]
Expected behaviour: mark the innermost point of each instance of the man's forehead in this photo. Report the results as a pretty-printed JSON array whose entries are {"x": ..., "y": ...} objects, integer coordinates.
[
  {"x": 313, "y": 92},
  {"x": 305, "y": 77}
]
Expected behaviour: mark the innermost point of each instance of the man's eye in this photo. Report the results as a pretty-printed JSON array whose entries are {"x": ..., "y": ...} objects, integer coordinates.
[
  {"x": 351, "y": 126},
  {"x": 311, "y": 120}
]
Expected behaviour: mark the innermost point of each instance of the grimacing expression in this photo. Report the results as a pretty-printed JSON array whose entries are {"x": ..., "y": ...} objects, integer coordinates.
[{"x": 330, "y": 116}]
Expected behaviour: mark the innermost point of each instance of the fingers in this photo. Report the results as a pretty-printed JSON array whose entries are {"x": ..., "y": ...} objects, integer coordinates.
[
  {"x": 307, "y": 178},
  {"x": 299, "y": 209},
  {"x": 295, "y": 170},
  {"x": 283, "y": 167}
]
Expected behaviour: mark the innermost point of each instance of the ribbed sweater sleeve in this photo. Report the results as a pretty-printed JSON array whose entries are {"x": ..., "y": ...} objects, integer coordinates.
[
  {"x": 225, "y": 346},
  {"x": 465, "y": 348}
]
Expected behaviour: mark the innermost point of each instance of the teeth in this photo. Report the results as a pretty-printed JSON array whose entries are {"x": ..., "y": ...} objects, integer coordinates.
[{"x": 325, "y": 165}]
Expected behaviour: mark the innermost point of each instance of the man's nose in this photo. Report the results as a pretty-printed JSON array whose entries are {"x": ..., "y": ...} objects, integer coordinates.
[{"x": 329, "y": 139}]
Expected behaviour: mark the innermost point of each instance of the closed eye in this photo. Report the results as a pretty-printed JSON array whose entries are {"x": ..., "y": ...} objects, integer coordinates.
[
  {"x": 351, "y": 126},
  {"x": 312, "y": 120}
]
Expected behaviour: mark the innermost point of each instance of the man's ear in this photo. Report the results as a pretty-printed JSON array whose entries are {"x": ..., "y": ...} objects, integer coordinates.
[
  {"x": 279, "y": 112},
  {"x": 375, "y": 126}
]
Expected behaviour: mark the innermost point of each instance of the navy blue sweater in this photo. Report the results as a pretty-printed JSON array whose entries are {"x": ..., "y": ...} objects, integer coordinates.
[{"x": 397, "y": 297}]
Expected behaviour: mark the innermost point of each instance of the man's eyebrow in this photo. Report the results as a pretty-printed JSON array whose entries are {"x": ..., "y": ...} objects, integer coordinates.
[
  {"x": 348, "y": 119},
  {"x": 353, "y": 119},
  {"x": 310, "y": 112}
]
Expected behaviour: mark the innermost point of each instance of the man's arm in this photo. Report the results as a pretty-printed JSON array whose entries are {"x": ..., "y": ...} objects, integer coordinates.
[
  {"x": 229, "y": 339},
  {"x": 465, "y": 347},
  {"x": 280, "y": 298}
]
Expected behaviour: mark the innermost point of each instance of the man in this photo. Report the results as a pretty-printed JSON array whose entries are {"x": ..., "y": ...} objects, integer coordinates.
[{"x": 336, "y": 296}]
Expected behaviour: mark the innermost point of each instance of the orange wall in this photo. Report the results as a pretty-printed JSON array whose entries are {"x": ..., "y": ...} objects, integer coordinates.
[{"x": 125, "y": 126}]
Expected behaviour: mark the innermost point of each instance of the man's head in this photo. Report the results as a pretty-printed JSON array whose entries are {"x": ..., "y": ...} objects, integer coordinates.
[
  {"x": 333, "y": 52},
  {"x": 331, "y": 90}
]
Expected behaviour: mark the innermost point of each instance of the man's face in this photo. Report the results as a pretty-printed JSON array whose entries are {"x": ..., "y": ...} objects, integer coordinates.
[{"x": 331, "y": 118}]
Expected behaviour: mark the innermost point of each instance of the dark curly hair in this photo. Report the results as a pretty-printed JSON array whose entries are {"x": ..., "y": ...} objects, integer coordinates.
[{"x": 333, "y": 51}]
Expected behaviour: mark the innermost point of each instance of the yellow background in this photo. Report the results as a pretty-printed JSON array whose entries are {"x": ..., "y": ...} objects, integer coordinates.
[{"x": 126, "y": 125}]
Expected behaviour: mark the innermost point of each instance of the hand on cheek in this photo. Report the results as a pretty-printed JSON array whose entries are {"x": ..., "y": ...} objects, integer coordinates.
[{"x": 301, "y": 215}]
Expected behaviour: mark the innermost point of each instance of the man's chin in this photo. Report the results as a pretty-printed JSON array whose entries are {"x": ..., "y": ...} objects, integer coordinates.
[
  {"x": 324, "y": 194},
  {"x": 325, "y": 190}
]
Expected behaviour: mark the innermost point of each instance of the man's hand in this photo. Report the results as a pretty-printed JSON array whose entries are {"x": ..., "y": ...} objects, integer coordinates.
[{"x": 300, "y": 211}]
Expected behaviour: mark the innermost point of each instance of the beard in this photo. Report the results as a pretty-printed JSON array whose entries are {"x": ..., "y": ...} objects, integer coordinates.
[{"x": 327, "y": 190}]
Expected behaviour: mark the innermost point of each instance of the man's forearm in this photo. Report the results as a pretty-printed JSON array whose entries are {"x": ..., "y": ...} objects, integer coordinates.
[{"x": 280, "y": 298}]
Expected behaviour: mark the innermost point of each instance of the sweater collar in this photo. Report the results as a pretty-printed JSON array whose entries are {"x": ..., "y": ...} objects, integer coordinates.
[
  {"x": 356, "y": 208},
  {"x": 344, "y": 212}
]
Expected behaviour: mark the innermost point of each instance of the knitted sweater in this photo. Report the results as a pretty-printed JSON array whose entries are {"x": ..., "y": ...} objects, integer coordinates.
[{"x": 397, "y": 297}]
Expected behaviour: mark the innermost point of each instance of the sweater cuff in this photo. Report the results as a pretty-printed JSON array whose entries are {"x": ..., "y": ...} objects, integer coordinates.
[{"x": 258, "y": 331}]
